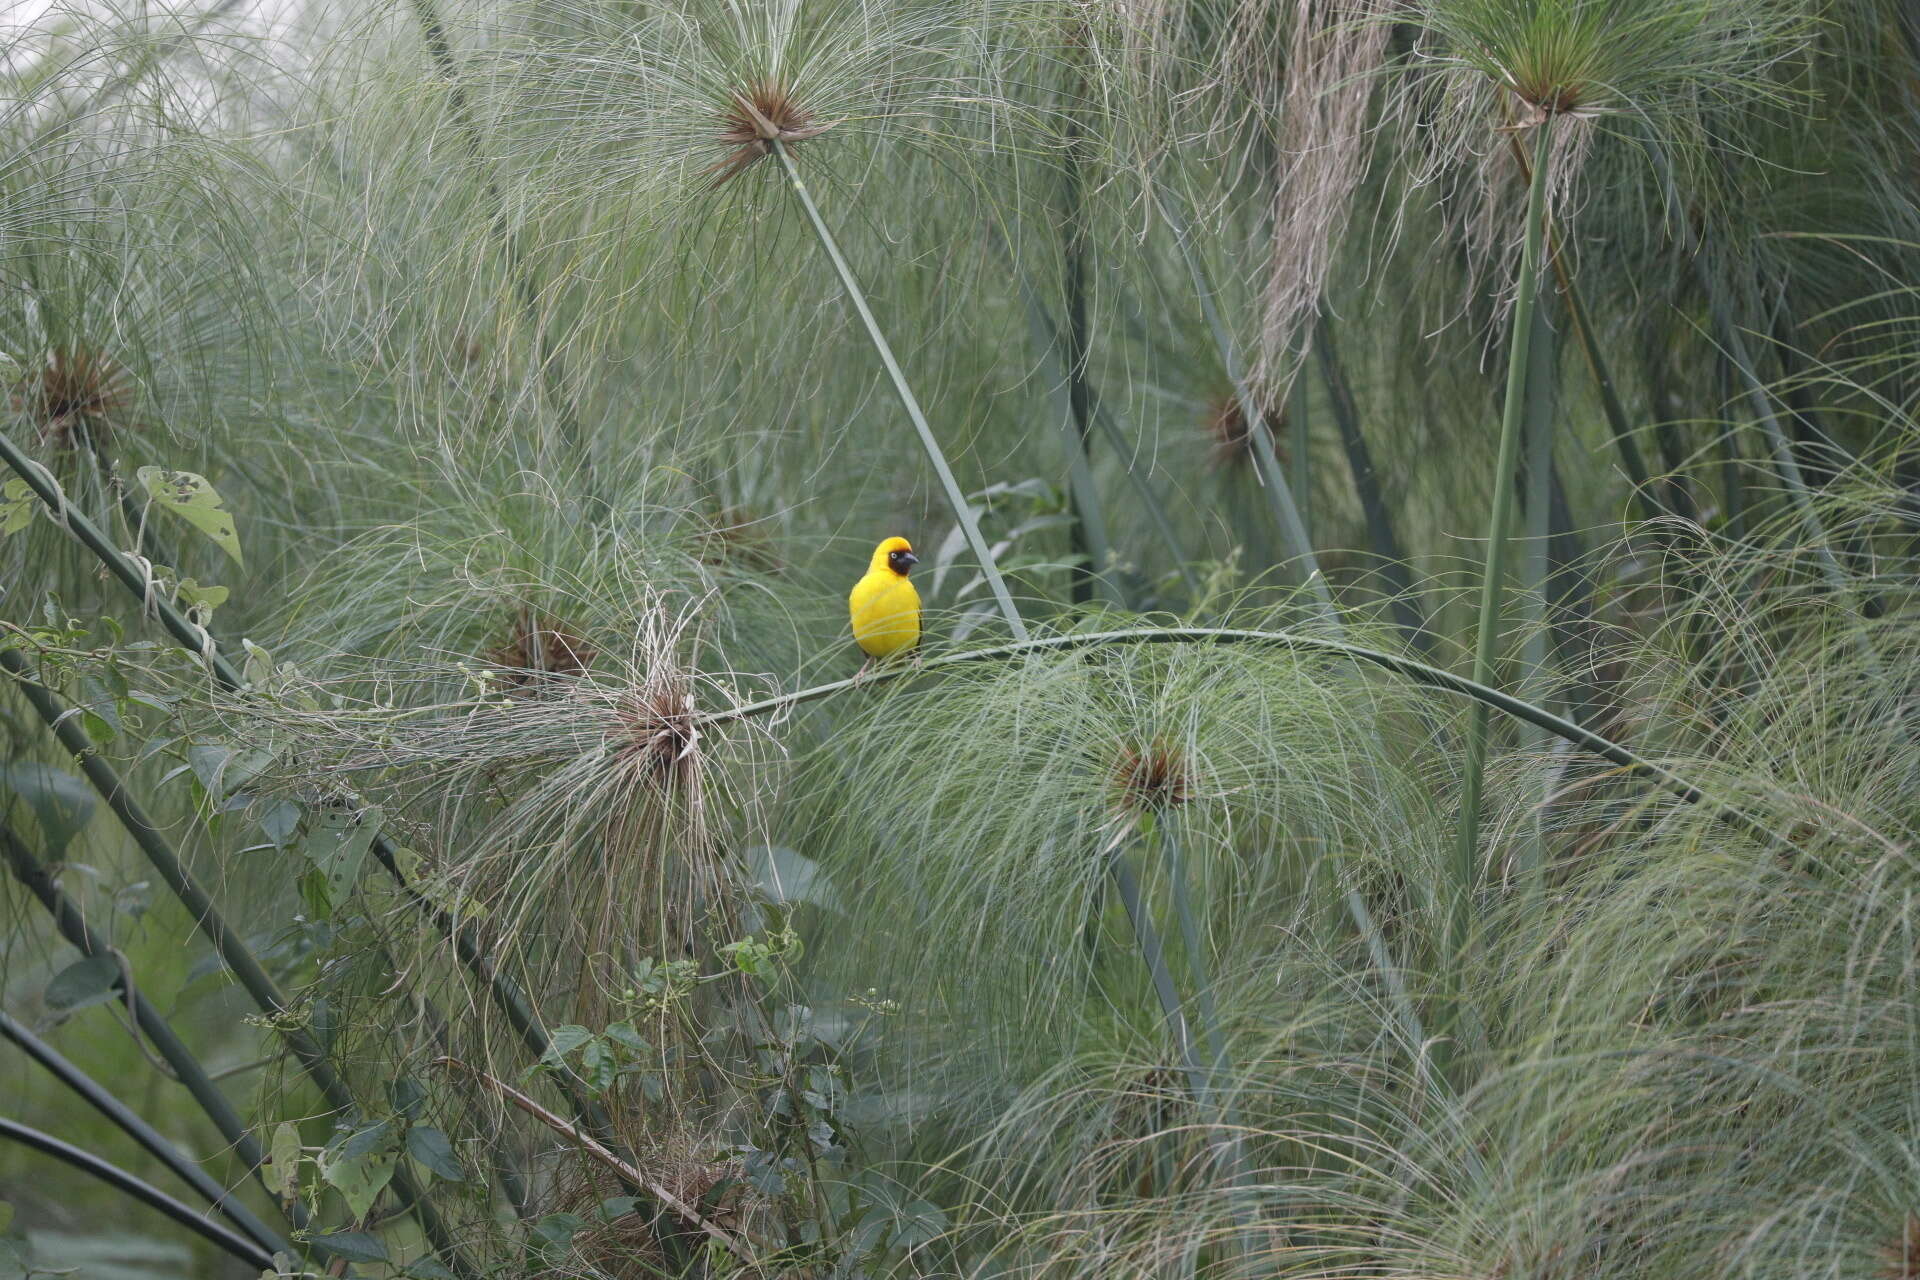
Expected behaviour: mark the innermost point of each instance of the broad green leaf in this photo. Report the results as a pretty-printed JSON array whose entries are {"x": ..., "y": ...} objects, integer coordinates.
[
  {"x": 60, "y": 801},
  {"x": 194, "y": 500},
  {"x": 359, "y": 1175},
  {"x": 564, "y": 1039},
  {"x": 280, "y": 822},
  {"x": 354, "y": 1246},
  {"x": 787, "y": 877},
  {"x": 85, "y": 982},
  {"x": 430, "y": 1147},
  {"x": 283, "y": 1168},
  {"x": 207, "y": 598},
  {"x": 17, "y": 502},
  {"x": 222, "y": 770},
  {"x": 428, "y": 1269},
  {"x": 336, "y": 845}
]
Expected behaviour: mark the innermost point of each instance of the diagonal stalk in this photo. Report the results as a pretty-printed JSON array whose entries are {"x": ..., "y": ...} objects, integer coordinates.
[
  {"x": 1493, "y": 576},
  {"x": 233, "y": 952},
  {"x": 119, "y": 1179},
  {"x": 1385, "y": 545},
  {"x": 129, "y": 1122},
  {"x": 503, "y": 991},
  {"x": 186, "y": 1068},
  {"x": 1273, "y": 478},
  {"x": 1046, "y": 333},
  {"x": 951, "y": 487}
]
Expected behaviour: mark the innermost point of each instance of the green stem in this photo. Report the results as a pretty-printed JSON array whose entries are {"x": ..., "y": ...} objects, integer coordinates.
[
  {"x": 151, "y": 1196},
  {"x": 128, "y": 1122},
  {"x": 1535, "y": 561},
  {"x": 505, "y": 994},
  {"x": 1227, "y": 1155},
  {"x": 955, "y": 498},
  {"x": 1273, "y": 478},
  {"x": 1072, "y": 413},
  {"x": 1493, "y": 576},
  {"x": 180, "y": 1060},
  {"x": 1391, "y": 558},
  {"x": 227, "y": 945},
  {"x": 1416, "y": 672},
  {"x": 1047, "y": 334}
]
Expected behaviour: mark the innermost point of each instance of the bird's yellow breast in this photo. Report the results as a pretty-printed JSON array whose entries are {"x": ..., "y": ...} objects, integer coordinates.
[{"x": 886, "y": 613}]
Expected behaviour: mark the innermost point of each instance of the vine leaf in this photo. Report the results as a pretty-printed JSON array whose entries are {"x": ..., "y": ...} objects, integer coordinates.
[
  {"x": 61, "y": 802},
  {"x": 194, "y": 499}
]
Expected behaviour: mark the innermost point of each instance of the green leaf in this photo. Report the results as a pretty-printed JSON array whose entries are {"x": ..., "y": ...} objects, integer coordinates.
[
  {"x": 222, "y": 770},
  {"x": 85, "y": 982},
  {"x": 207, "y": 599},
  {"x": 194, "y": 500},
  {"x": 280, "y": 822},
  {"x": 787, "y": 877},
  {"x": 354, "y": 1246},
  {"x": 336, "y": 846},
  {"x": 564, "y": 1039},
  {"x": 430, "y": 1147},
  {"x": 61, "y": 802},
  {"x": 622, "y": 1033},
  {"x": 598, "y": 1066},
  {"x": 557, "y": 1230},
  {"x": 428, "y": 1269},
  {"x": 407, "y": 1096},
  {"x": 17, "y": 502},
  {"x": 283, "y": 1167},
  {"x": 359, "y": 1177},
  {"x": 617, "y": 1207}
]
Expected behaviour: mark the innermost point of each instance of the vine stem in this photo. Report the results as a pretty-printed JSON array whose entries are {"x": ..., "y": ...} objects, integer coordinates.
[{"x": 858, "y": 298}]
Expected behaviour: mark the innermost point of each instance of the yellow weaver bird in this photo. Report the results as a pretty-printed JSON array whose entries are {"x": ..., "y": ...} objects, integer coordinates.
[{"x": 884, "y": 605}]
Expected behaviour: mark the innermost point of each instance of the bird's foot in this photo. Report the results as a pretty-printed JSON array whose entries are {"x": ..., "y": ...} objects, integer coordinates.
[{"x": 861, "y": 674}]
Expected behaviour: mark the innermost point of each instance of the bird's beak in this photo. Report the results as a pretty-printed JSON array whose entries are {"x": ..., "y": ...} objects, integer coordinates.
[{"x": 908, "y": 558}]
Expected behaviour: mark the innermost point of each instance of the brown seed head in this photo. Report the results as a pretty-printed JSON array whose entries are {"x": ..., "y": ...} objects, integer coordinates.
[
  {"x": 74, "y": 398},
  {"x": 1153, "y": 778},
  {"x": 659, "y": 733},
  {"x": 539, "y": 648},
  {"x": 1227, "y": 426},
  {"x": 753, "y": 118}
]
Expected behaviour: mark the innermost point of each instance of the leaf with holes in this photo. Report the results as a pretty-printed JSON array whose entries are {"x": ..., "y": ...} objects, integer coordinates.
[
  {"x": 360, "y": 1166},
  {"x": 336, "y": 846},
  {"x": 283, "y": 1162},
  {"x": 61, "y": 802},
  {"x": 194, "y": 500}
]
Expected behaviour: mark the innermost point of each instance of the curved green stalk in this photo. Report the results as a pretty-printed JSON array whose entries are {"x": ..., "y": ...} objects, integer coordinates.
[
  {"x": 148, "y": 1194},
  {"x": 128, "y": 1122},
  {"x": 1493, "y": 576},
  {"x": 233, "y": 952},
  {"x": 951, "y": 487},
  {"x": 1417, "y": 672}
]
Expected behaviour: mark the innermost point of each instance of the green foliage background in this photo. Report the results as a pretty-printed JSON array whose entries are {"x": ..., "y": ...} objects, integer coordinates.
[{"x": 552, "y": 441}]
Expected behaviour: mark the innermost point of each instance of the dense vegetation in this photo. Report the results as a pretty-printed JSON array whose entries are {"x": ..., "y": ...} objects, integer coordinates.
[{"x": 1412, "y": 768}]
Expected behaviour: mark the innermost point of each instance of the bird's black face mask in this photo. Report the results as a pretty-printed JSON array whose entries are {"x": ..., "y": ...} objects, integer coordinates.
[{"x": 901, "y": 561}]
